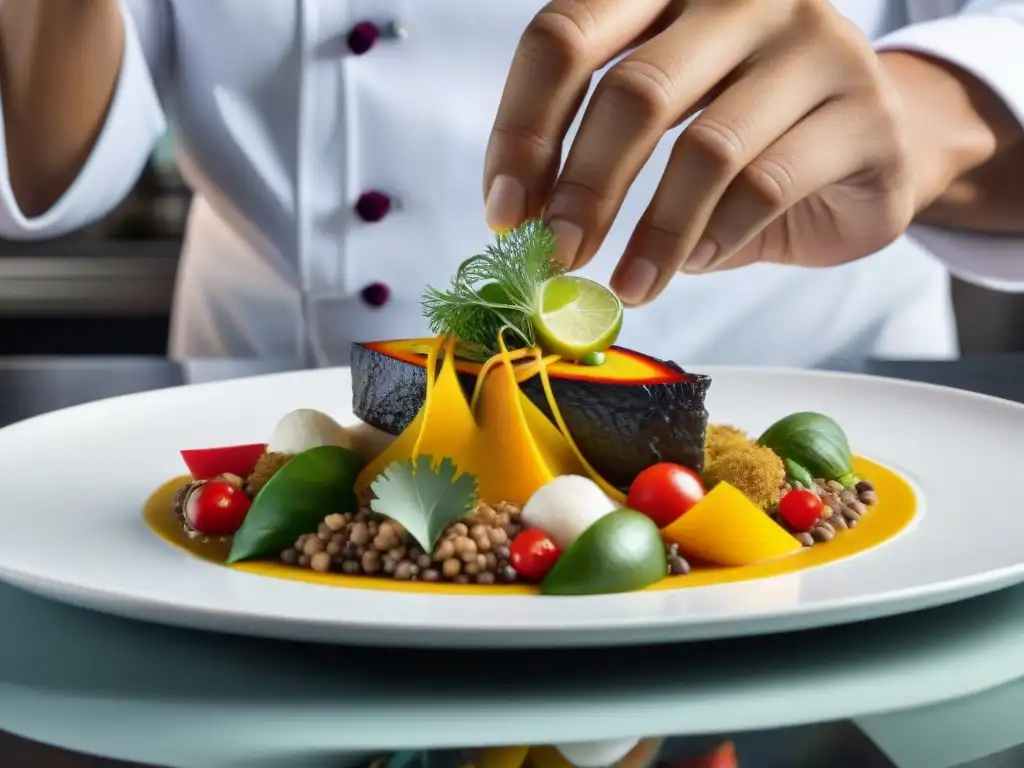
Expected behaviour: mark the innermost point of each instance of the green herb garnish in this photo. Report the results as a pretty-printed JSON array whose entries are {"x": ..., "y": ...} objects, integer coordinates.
[
  {"x": 495, "y": 291},
  {"x": 423, "y": 498},
  {"x": 311, "y": 485}
]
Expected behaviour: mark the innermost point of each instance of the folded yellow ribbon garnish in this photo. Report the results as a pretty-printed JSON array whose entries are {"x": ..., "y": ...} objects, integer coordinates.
[{"x": 499, "y": 436}]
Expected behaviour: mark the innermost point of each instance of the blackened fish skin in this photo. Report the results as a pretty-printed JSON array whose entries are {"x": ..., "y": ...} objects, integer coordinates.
[{"x": 620, "y": 428}]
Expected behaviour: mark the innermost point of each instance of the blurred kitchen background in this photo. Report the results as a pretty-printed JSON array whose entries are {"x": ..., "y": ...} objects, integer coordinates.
[{"x": 106, "y": 289}]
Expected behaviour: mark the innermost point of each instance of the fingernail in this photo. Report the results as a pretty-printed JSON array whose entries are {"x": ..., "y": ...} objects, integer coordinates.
[
  {"x": 701, "y": 257},
  {"x": 635, "y": 280},
  {"x": 506, "y": 203},
  {"x": 568, "y": 239}
]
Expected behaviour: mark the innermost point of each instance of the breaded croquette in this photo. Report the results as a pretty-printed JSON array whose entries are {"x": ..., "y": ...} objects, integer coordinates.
[
  {"x": 722, "y": 438},
  {"x": 266, "y": 468},
  {"x": 732, "y": 457}
]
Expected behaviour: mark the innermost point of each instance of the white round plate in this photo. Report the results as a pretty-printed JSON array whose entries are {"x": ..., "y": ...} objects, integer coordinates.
[{"x": 75, "y": 482}]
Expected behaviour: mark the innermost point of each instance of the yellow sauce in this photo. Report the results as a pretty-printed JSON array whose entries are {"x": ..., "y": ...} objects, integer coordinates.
[{"x": 896, "y": 507}]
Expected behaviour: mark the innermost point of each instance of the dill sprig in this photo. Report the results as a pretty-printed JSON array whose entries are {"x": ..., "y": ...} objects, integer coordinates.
[{"x": 495, "y": 291}]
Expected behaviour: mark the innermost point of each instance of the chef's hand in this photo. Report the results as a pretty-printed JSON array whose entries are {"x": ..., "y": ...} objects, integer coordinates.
[{"x": 800, "y": 156}]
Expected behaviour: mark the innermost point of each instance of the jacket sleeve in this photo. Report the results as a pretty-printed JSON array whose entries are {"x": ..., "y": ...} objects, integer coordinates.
[
  {"x": 134, "y": 123},
  {"x": 985, "y": 39}
]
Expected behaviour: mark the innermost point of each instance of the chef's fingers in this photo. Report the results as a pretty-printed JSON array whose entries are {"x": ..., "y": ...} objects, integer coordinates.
[
  {"x": 833, "y": 144},
  {"x": 550, "y": 73},
  {"x": 780, "y": 86},
  {"x": 633, "y": 105},
  {"x": 773, "y": 93}
]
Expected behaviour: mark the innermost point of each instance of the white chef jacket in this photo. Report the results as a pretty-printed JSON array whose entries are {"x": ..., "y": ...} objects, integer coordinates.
[{"x": 281, "y": 126}]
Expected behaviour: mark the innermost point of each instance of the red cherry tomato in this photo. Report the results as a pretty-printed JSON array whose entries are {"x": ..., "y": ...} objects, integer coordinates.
[
  {"x": 208, "y": 463},
  {"x": 665, "y": 491},
  {"x": 216, "y": 508},
  {"x": 533, "y": 554},
  {"x": 800, "y": 509}
]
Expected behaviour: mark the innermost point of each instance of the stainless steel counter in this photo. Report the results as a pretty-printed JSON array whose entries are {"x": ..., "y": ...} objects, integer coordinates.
[{"x": 72, "y": 278}]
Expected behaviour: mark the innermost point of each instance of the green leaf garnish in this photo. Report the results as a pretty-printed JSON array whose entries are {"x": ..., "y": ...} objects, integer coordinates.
[
  {"x": 299, "y": 495},
  {"x": 495, "y": 291},
  {"x": 423, "y": 498}
]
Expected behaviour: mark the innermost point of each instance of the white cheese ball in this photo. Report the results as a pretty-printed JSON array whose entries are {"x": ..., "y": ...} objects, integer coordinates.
[
  {"x": 306, "y": 428},
  {"x": 597, "y": 754},
  {"x": 565, "y": 507}
]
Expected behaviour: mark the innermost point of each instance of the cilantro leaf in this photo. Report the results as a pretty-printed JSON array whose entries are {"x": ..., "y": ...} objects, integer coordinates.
[{"x": 423, "y": 498}]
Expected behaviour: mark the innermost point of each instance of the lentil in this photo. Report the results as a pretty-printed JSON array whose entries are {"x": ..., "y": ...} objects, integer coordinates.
[
  {"x": 444, "y": 550},
  {"x": 465, "y": 548},
  {"x": 677, "y": 564},
  {"x": 290, "y": 556},
  {"x": 822, "y": 534},
  {"x": 475, "y": 550},
  {"x": 371, "y": 561},
  {"x": 359, "y": 534},
  {"x": 312, "y": 546},
  {"x": 321, "y": 562},
  {"x": 405, "y": 570}
]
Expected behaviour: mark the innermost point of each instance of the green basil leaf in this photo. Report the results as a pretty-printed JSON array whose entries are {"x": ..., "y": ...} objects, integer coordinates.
[{"x": 303, "y": 492}]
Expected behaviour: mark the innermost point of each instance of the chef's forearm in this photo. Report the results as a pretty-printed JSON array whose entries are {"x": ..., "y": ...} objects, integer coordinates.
[
  {"x": 59, "y": 62},
  {"x": 966, "y": 146}
]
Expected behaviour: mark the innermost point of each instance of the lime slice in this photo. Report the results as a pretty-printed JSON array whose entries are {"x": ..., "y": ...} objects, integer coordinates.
[{"x": 575, "y": 317}]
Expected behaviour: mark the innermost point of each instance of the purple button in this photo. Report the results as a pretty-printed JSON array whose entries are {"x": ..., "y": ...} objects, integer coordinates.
[
  {"x": 373, "y": 205},
  {"x": 376, "y": 294},
  {"x": 362, "y": 37}
]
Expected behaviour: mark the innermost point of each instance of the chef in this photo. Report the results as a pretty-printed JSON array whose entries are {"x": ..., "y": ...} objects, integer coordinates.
[{"x": 336, "y": 149}]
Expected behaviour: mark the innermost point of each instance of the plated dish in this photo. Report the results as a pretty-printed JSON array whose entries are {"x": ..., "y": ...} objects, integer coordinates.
[
  {"x": 520, "y": 451},
  {"x": 71, "y": 528}
]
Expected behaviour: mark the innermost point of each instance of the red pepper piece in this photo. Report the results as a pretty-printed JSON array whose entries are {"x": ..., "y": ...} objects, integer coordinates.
[{"x": 208, "y": 463}]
